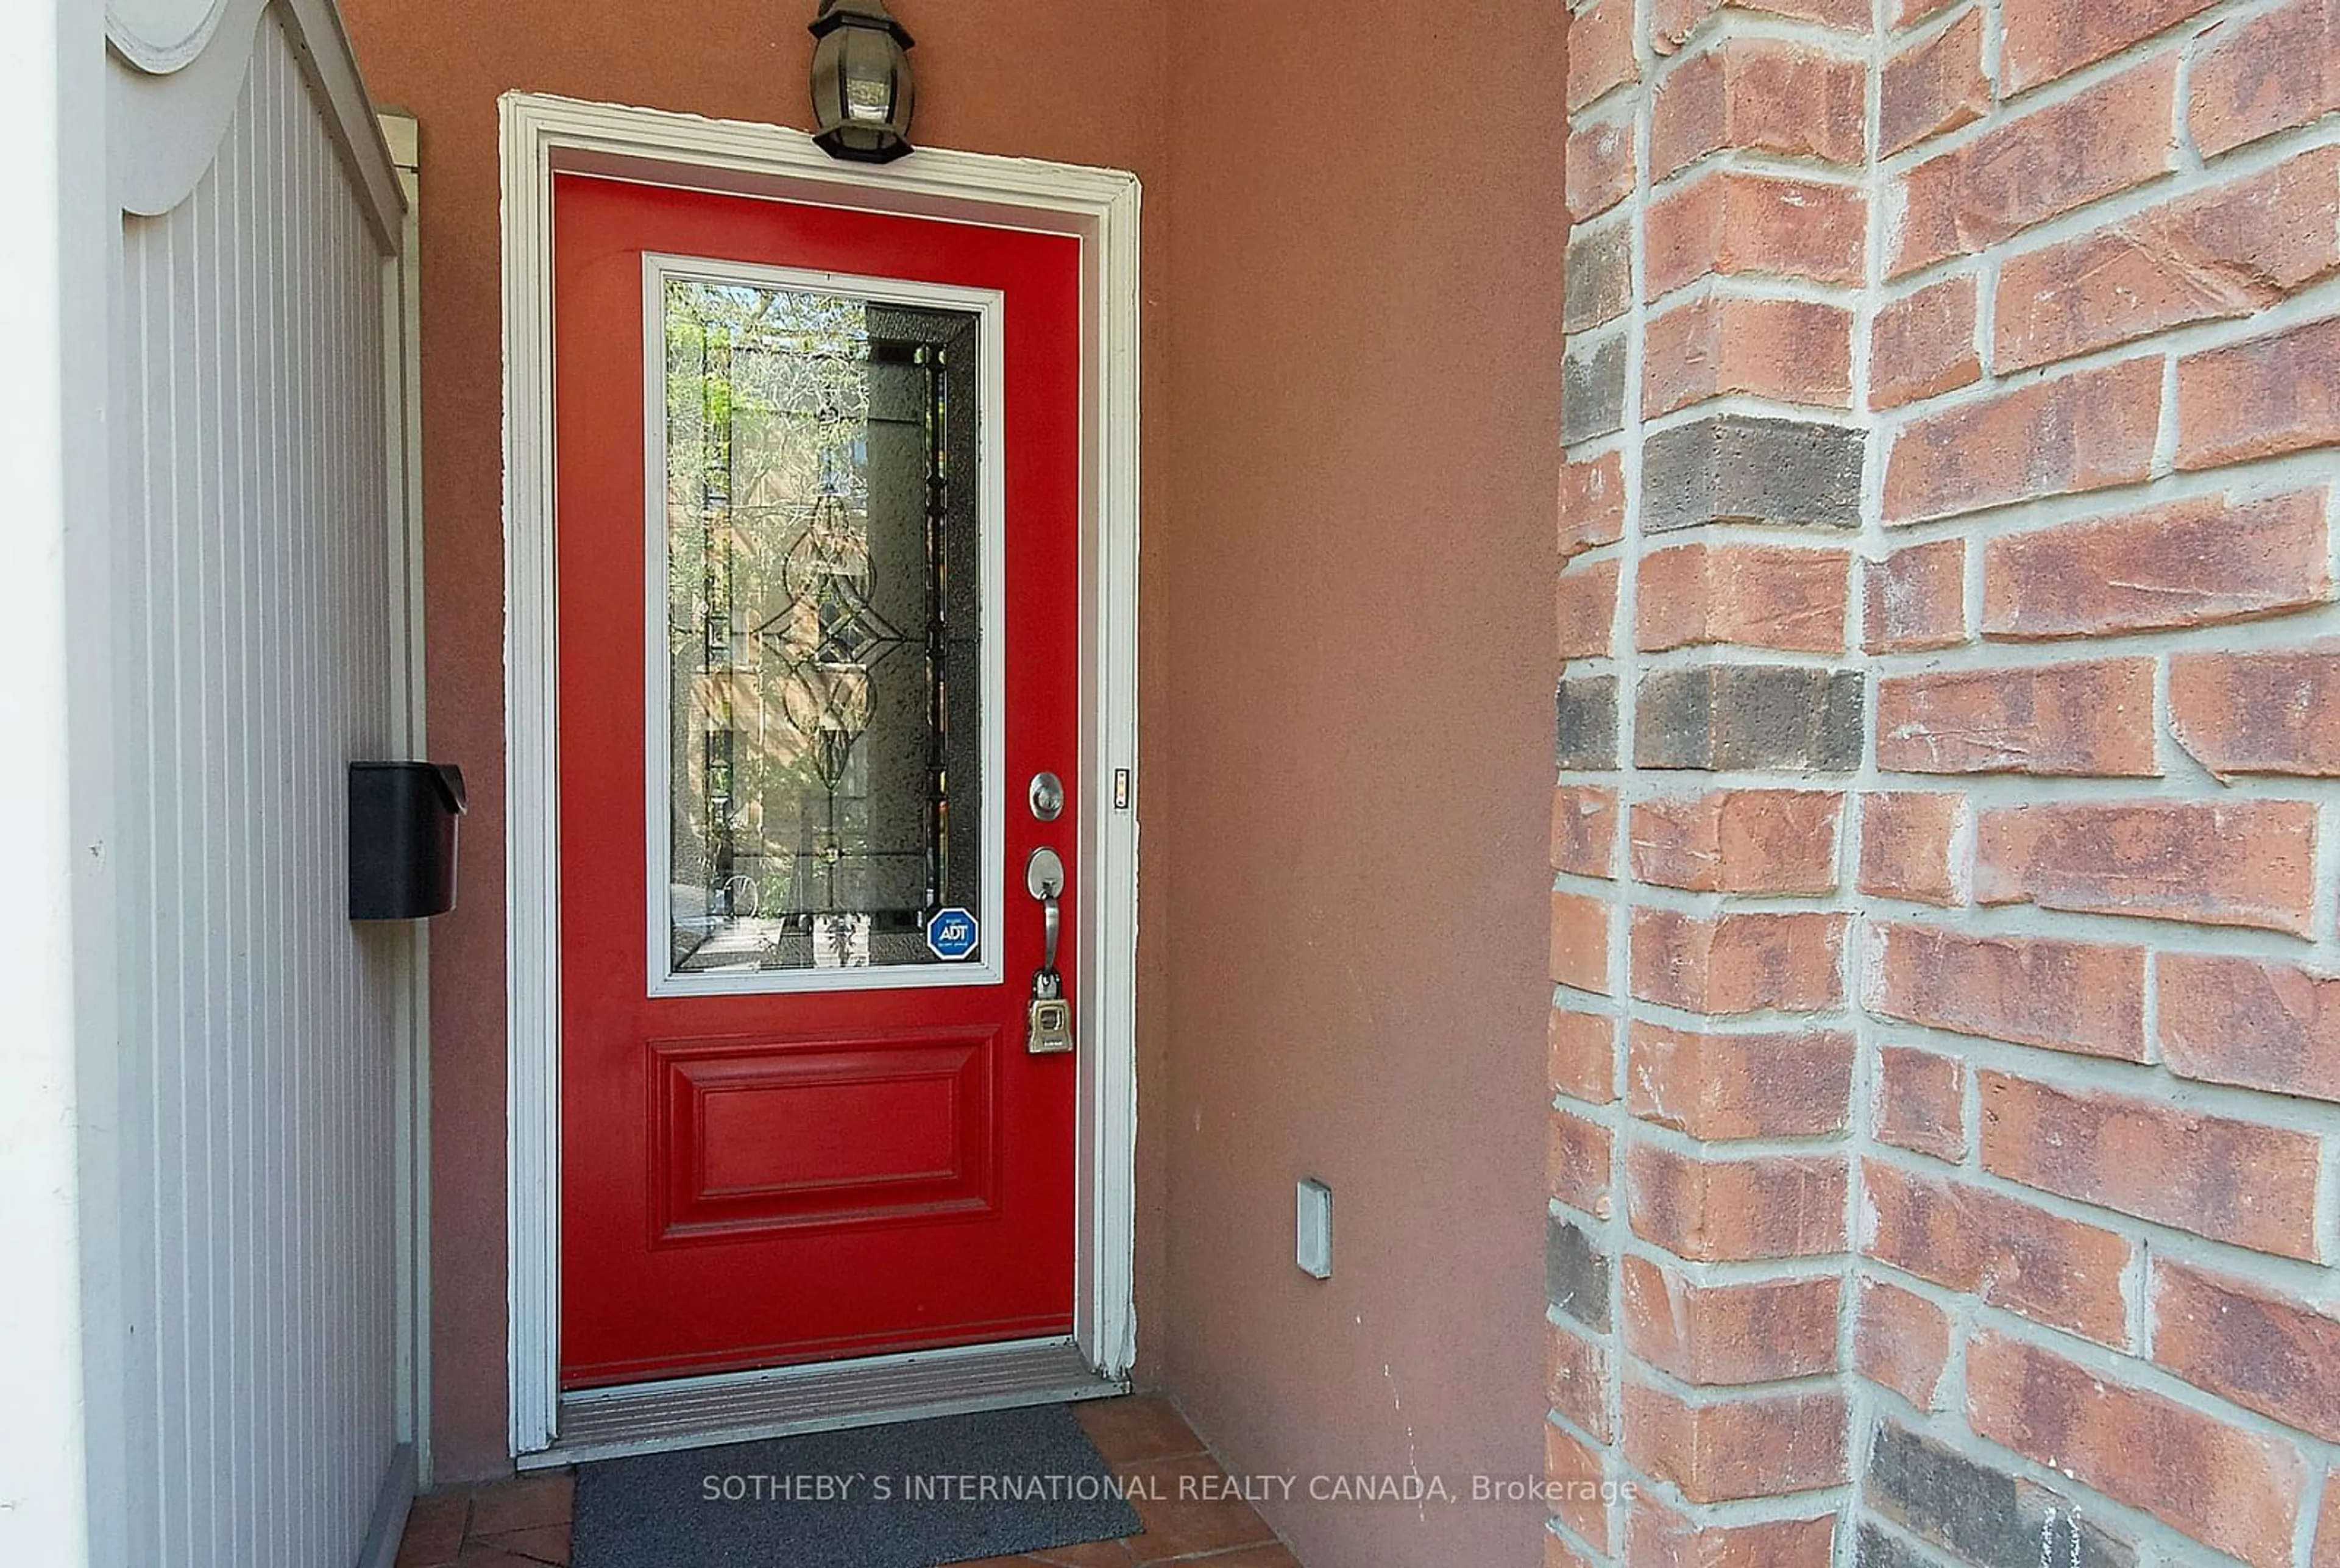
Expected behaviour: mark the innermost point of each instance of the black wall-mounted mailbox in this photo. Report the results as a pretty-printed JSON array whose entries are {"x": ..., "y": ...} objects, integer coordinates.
[{"x": 402, "y": 839}]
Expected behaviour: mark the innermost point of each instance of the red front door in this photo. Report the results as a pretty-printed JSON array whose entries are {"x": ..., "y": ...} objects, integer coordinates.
[{"x": 816, "y": 511}]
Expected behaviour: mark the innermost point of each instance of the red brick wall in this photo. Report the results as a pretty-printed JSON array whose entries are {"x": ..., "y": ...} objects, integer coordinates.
[{"x": 1945, "y": 1148}]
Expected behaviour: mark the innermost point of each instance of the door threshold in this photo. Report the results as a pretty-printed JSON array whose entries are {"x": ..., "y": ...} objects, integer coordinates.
[{"x": 825, "y": 1397}]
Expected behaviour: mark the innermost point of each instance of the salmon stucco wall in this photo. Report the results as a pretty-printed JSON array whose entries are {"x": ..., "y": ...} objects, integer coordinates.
[
  {"x": 1040, "y": 78},
  {"x": 1352, "y": 377},
  {"x": 1365, "y": 350}
]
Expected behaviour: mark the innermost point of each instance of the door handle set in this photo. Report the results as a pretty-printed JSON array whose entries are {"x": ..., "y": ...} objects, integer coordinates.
[{"x": 1049, "y": 1020}]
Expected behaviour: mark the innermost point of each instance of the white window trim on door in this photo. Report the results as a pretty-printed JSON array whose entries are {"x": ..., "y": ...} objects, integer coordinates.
[
  {"x": 987, "y": 307},
  {"x": 542, "y": 135}
]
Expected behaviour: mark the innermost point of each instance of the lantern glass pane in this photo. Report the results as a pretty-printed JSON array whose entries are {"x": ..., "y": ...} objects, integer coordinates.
[{"x": 868, "y": 98}]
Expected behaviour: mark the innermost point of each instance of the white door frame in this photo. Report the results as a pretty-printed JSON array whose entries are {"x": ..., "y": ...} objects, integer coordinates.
[{"x": 544, "y": 135}]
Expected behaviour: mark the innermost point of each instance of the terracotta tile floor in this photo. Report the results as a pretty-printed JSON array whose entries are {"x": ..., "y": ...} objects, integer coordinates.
[{"x": 524, "y": 1524}]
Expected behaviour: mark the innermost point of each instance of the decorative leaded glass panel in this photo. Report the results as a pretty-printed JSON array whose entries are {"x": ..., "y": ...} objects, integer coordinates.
[{"x": 823, "y": 627}]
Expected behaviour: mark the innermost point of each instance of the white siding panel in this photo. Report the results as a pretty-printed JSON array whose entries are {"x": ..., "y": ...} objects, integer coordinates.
[{"x": 260, "y": 1028}]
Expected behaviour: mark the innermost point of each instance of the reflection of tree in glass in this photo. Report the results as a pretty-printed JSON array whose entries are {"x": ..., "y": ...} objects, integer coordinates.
[{"x": 772, "y": 635}]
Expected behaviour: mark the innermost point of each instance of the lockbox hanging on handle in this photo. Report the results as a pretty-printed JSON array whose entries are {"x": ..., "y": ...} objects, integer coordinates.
[{"x": 402, "y": 839}]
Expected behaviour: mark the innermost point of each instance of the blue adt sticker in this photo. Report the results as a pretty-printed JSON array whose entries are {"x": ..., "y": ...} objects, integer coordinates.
[{"x": 952, "y": 934}]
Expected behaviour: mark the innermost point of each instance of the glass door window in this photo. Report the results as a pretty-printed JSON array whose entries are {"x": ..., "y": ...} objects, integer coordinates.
[{"x": 820, "y": 563}]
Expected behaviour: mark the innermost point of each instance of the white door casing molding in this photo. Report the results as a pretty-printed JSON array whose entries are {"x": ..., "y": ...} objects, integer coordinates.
[{"x": 542, "y": 135}]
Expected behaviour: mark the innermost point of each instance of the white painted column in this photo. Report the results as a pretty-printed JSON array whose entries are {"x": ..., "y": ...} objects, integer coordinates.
[{"x": 45, "y": 293}]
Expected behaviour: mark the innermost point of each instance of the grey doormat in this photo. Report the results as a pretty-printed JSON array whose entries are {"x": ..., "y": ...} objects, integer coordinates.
[{"x": 912, "y": 1496}]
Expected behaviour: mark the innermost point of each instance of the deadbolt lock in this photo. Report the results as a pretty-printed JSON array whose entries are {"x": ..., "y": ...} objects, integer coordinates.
[{"x": 1047, "y": 796}]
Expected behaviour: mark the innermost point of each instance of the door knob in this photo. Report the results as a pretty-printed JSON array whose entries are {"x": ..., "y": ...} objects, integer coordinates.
[{"x": 1044, "y": 878}]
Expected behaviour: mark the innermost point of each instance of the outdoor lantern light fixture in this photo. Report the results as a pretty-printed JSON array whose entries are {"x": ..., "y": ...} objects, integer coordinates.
[{"x": 861, "y": 88}]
